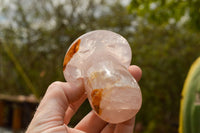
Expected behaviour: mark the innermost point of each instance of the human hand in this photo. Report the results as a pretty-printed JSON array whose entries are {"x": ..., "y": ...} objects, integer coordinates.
[{"x": 61, "y": 102}]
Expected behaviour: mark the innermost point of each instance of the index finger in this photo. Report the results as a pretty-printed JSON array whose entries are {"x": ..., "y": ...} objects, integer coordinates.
[{"x": 136, "y": 72}]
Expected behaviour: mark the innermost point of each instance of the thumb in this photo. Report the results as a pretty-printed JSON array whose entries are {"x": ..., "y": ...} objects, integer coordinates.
[{"x": 54, "y": 104}]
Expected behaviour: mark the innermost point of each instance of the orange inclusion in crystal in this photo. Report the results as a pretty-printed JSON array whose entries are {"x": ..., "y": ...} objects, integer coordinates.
[
  {"x": 96, "y": 99},
  {"x": 74, "y": 48}
]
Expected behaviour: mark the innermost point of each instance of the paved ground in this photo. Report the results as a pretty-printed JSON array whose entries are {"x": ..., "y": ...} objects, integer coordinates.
[{"x": 4, "y": 130}]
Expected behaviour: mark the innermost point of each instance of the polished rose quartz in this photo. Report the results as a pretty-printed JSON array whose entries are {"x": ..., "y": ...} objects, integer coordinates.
[{"x": 101, "y": 58}]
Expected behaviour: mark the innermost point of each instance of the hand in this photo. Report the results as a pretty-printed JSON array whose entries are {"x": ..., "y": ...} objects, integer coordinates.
[{"x": 60, "y": 103}]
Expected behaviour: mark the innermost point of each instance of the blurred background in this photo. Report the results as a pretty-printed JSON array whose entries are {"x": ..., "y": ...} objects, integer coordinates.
[{"x": 34, "y": 36}]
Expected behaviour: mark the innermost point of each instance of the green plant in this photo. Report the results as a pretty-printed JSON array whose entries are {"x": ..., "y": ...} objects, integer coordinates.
[
  {"x": 190, "y": 102},
  {"x": 20, "y": 70}
]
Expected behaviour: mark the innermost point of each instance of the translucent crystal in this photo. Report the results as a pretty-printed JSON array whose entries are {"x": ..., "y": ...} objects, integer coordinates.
[{"x": 102, "y": 59}]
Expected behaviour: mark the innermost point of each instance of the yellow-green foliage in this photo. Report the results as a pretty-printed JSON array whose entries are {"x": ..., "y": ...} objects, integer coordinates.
[{"x": 190, "y": 103}]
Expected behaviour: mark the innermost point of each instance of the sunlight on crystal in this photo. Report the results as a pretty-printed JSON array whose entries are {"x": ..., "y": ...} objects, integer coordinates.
[{"x": 101, "y": 59}]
